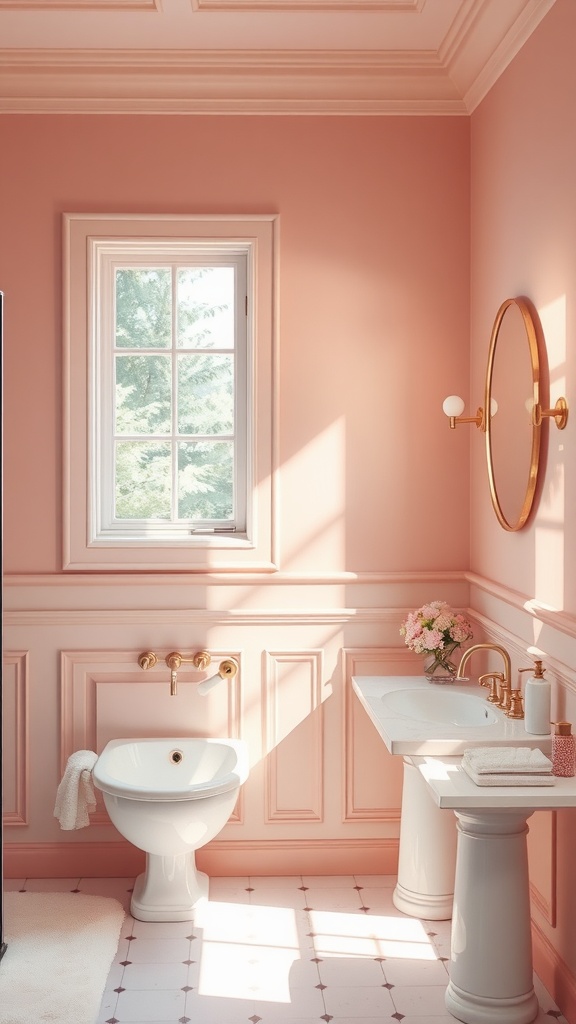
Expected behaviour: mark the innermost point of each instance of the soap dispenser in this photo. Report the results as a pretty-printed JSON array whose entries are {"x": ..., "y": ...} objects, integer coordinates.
[{"x": 537, "y": 698}]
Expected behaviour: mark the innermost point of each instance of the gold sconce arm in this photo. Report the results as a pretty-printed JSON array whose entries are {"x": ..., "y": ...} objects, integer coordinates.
[
  {"x": 453, "y": 407},
  {"x": 559, "y": 414}
]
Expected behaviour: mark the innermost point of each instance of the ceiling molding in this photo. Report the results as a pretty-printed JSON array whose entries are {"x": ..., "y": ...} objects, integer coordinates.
[
  {"x": 80, "y": 5},
  {"x": 457, "y": 62},
  {"x": 224, "y": 81},
  {"x": 519, "y": 32},
  {"x": 274, "y": 6}
]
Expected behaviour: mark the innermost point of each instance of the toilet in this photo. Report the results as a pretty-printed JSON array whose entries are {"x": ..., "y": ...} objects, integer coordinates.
[{"x": 169, "y": 797}]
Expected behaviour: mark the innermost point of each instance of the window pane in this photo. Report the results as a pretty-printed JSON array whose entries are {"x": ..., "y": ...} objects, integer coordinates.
[
  {"x": 206, "y": 480},
  {"x": 143, "y": 394},
  {"x": 205, "y": 394},
  {"x": 143, "y": 480},
  {"x": 143, "y": 307},
  {"x": 205, "y": 305}
]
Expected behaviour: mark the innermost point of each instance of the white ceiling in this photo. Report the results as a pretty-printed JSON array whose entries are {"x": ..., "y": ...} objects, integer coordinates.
[{"x": 258, "y": 56}]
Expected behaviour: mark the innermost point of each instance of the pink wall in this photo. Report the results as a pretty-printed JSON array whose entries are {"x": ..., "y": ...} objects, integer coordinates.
[
  {"x": 373, "y": 313},
  {"x": 523, "y": 166},
  {"x": 523, "y": 242}
]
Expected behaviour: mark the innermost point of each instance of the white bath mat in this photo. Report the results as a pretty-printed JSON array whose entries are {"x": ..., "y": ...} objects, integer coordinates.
[{"x": 60, "y": 949}]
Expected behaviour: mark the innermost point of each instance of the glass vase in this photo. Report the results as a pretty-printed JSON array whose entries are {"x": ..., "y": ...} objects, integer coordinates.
[{"x": 439, "y": 666}]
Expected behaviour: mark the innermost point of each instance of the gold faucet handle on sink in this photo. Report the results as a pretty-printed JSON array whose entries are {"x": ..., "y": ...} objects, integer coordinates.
[
  {"x": 492, "y": 679},
  {"x": 516, "y": 709}
]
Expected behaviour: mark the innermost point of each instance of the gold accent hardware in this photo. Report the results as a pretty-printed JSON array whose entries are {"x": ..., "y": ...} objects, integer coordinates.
[
  {"x": 453, "y": 406},
  {"x": 492, "y": 679},
  {"x": 200, "y": 660},
  {"x": 559, "y": 413},
  {"x": 228, "y": 668},
  {"x": 516, "y": 705},
  {"x": 504, "y": 699},
  {"x": 147, "y": 660}
]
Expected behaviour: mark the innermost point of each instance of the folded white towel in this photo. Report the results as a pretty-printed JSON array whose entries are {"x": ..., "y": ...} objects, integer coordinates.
[
  {"x": 75, "y": 797},
  {"x": 509, "y": 760},
  {"x": 515, "y": 779}
]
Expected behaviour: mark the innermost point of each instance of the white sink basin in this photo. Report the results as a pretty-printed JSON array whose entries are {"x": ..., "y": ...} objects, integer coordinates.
[
  {"x": 440, "y": 706},
  {"x": 414, "y": 716}
]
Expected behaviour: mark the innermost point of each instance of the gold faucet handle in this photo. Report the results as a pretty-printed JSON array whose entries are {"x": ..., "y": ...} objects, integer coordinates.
[
  {"x": 174, "y": 660},
  {"x": 492, "y": 679},
  {"x": 516, "y": 709},
  {"x": 147, "y": 660}
]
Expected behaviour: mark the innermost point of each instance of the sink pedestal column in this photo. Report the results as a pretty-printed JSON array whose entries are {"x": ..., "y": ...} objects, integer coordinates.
[
  {"x": 491, "y": 957},
  {"x": 427, "y": 855}
]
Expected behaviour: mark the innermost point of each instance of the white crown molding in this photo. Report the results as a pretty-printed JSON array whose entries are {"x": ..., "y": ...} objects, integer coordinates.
[
  {"x": 218, "y": 81},
  {"x": 473, "y": 66},
  {"x": 447, "y": 78}
]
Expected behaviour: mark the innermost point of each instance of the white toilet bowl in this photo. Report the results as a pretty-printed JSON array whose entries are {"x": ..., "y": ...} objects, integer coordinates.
[{"x": 169, "y": 797}]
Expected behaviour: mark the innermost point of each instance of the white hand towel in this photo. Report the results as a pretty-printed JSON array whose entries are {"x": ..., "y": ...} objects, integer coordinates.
[
  {"x": 515, "y": 779},
  {"x": 75, "y": 797},
  {"x": 509, "y": 760}
]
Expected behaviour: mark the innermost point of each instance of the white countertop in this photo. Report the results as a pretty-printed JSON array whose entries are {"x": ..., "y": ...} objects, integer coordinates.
[
  {"x": 452, "y": 788},
  {"x": 403, "y": 735}
]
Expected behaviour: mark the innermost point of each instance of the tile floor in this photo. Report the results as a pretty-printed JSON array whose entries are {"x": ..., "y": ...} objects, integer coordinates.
[{"x": 290, "y": 950}]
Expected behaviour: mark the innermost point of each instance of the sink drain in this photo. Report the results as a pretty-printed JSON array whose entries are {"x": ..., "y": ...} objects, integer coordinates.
[{"x": 176, "y": 756}]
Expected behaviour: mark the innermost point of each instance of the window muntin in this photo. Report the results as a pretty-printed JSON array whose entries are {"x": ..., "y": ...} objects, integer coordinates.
[{"x": 173, "y": 353}]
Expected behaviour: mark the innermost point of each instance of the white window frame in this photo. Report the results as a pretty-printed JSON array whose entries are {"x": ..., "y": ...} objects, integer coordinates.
[{"x": 93, "y": 245}]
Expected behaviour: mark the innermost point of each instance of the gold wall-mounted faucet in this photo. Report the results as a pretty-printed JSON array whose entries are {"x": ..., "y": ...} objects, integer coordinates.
[{"x": 201, "y": 660}]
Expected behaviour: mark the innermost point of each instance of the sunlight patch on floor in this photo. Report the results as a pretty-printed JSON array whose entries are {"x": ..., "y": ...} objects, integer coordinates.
[
  {"x": 341, "y": 934},
  {"x": 247, "y": 951}
]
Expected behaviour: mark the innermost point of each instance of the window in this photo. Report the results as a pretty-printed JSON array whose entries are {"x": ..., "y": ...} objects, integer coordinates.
[{"x": 168, "y": 358}]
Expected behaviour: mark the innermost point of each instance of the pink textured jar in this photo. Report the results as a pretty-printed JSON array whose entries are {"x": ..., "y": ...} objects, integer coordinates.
[{"x": 563, "y": 751}]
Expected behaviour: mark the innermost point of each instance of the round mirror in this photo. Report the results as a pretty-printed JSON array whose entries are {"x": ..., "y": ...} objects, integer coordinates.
[{"x": 512, "y": 391}]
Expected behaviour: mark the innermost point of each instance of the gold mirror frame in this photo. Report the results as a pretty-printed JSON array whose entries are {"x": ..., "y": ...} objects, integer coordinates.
[{"x": 525, "y": 502}]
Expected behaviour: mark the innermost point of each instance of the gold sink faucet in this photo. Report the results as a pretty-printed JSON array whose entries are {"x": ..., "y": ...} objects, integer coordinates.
[{"x": 503, "y": 701}]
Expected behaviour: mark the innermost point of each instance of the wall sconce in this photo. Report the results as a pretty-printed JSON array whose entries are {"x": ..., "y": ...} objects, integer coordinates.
[
  {"x": 559, "y": 413},
  {"x": 453, "y": 407}
]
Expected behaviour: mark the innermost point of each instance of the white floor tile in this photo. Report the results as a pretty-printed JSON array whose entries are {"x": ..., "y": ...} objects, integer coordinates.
[
  {"x": 415, "y": 972},
  {"x": 155, "y": 976},
  {"x": 351, "y": 971},
  {"x": 329, "y": 881},
  {"x": 358, "y": 1001},
  {"x": 294, "y": 898},
  {"x": 143, "y": 1006},
  {"x": 158, "y": 951},
  {"x": 275, "y": 881},
  {"x": 301, "y": 1003},
  {"x": 333, "y": 899},
  {"x": 419, "y": 1000},
  {"x": 376, "y": 881},
  {"x": 217, "y": 1010}
]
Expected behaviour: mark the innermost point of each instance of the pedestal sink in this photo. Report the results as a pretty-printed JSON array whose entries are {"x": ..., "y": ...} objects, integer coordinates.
[
  {"x": 491, "y": 953},
  {"x": 415, "y": 717}
]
